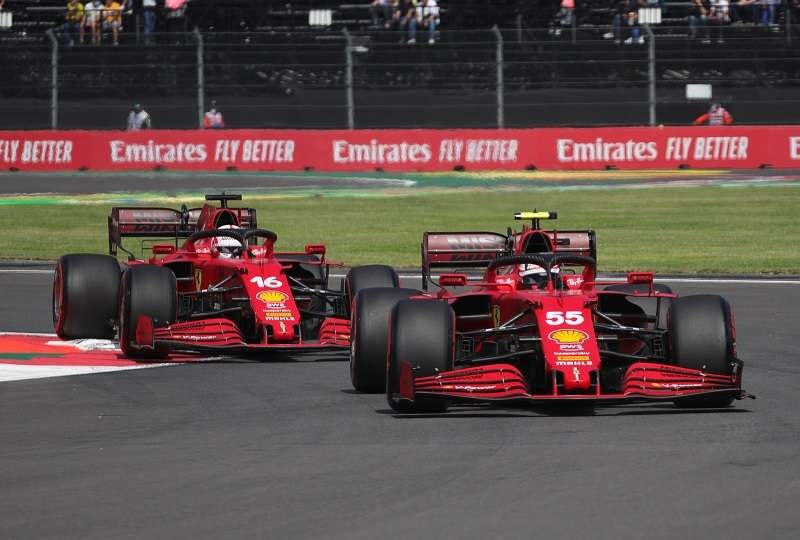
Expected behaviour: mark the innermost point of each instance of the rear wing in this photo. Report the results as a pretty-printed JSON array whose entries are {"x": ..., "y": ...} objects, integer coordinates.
[
  {"x": 152, "y": 222},
  {"x": 576, "y": 242},
  {"x": 451, "y": 250}
]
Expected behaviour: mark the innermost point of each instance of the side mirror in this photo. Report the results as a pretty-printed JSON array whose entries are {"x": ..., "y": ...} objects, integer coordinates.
[
  {"x": 452, "y": 280},
  {"x": 163, "y": 249},
  {"x": 315, "y": 249},
  {"x": 640, "y": 277}
]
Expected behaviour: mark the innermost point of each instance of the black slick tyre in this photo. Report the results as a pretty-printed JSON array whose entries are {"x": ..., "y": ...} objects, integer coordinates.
[
  {"x": 150, "y": 291},
  {"x": 422, "y": 334},
  {"x": 701, "y": 337},
  {"x": 369, "y": 330},
  {"x": 86, "y": 296},
  {"x": 367, "y": 277}
]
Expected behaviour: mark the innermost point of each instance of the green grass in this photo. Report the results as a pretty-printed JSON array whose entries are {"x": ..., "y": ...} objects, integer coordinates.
[{"x": 686, "y": 230}]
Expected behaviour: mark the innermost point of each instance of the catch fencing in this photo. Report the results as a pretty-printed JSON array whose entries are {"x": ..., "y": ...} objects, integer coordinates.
[{"x": 495, "y": 78}]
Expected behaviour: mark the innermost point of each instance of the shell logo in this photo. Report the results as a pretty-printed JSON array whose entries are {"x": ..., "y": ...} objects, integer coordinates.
[
  {"x": 568, "y": 335},
  {"x": 272, "y": 296}
]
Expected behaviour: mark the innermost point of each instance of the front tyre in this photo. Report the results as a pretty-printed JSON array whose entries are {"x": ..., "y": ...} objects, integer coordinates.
[
  {"x": 701, "y": 337},
  {"x": 150, "y": 291},
  {"x": 85, "y": 296},
  {"x": 370, "y": 335},
  {"x": 422, "y": 334}
]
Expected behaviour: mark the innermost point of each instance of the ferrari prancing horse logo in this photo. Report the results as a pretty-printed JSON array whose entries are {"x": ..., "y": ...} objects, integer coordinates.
[
  {"x": 198, "y": 279},
  {"x": 496, "y": 315}
]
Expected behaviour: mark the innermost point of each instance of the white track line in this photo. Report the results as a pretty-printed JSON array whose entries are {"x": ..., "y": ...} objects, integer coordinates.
[{"x": 756, "y": 281}]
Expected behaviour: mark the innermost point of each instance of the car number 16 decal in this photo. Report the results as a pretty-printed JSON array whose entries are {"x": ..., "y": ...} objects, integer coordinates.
[
  {"x": 555, "y": 318},
  {"x": 272, "y": 282}
]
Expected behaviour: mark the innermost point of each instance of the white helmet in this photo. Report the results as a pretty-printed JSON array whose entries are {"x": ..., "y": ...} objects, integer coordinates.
[
  {"x": 228, "y": 246},
  {"x": 533, "y": 274}
]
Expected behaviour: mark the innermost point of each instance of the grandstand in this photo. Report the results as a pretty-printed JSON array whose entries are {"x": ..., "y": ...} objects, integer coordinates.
[
  {"x": 32, "y": 17},
  {"x": 267, "y": 65}
]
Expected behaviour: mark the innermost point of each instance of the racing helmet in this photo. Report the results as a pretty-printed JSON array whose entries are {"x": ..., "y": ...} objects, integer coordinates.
[
  {"x": 227, "y": 246},
  {"x": 534, "y": 275}
]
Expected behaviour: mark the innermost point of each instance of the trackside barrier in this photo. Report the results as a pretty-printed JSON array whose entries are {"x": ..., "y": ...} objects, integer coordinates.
[{"x": 729, "y": 147}]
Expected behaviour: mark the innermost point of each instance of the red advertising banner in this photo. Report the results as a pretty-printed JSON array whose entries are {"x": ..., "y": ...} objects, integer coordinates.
[{"x": 403, "y": 150}]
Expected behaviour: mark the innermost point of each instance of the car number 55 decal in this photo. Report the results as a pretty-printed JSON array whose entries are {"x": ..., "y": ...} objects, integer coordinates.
[
  {"x": 555, "y": 318},
  {"x": 270, "y": 282}
]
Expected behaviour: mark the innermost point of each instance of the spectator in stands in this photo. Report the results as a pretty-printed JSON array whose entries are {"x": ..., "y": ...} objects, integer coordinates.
[
  {"x": 565, "y": 16},
  {"x": 793, "y": 11},
  {"x": 381, "y": 11},
  {"x": 213, "y": 118},
  {"x": 739, "y": 8},
  {"x": 405, "y": 16},
  {"x": 112, "y": 19},
  {"x": 176, "y": 15},
  {"x": 138, "y": 119},
  {"x": 716, "y": 116},
  {"x": 92, "y": 19},
  {"x": 719, "y": 17},
  {"x": 626, "y": 15},
  {"x": 768, "y": 9},
  {"x": 698, "y": 16},
  {"x": 72, "y": 23},
  {"x": 149, "y": 13},
  {"x": 428, "y": 11}
]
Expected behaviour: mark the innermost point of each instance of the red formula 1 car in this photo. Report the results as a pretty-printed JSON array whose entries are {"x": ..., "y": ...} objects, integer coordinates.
[
  {"x": 224, "y": 289},
  {"x": 536, "y": 328}
]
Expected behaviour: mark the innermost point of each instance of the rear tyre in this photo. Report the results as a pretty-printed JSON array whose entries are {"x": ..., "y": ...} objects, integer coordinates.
[
  {"x": 423, "y": 334},
  {"x": 151, "y": 291},
  {"x": 701, "y": 337},
  {"x": 366, "y": 277},
  {"x": 86, "y": 296},
  {"x": 370, "y": 335}
]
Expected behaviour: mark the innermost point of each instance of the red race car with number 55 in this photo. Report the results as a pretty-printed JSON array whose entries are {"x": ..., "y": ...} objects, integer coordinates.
[
  {"x": 536, "y": 328},
  {"x": 224, "y": 289}
]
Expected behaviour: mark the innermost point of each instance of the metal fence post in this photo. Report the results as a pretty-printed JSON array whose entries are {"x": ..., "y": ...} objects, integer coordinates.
[
  {"x": 500, "y": 86},
  {"x": 53, "y": 80},
  {"x": 788, "y": 16},
  {"x": 651, "y": 73},
  {"x": 201, "y": 79},
  {"x": 348, "y": 47}
]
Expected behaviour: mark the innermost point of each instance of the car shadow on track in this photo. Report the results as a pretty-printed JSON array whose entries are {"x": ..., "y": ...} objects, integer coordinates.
[{"x": 494, "y": 412}]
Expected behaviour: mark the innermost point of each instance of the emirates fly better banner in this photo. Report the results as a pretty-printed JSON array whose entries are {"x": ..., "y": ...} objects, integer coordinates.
[{"x": 403, "y": 150}]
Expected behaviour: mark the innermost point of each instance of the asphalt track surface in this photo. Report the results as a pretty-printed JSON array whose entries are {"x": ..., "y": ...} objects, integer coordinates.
[{"x": 286, "y": 450}]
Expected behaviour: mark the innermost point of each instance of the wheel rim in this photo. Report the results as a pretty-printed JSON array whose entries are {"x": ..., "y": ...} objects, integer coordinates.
[{"x": 58, "y": 300}]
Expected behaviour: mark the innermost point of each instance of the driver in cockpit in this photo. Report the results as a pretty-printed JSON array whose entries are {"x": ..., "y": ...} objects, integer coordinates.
[
  {"x": 227, "y": 246},
  {"x": 534, "y": 276}
]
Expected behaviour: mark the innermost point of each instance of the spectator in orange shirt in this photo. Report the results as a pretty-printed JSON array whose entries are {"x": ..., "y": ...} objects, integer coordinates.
[
  {"x": 716, "y": 116},
  {"x": 112, "y": 19}
]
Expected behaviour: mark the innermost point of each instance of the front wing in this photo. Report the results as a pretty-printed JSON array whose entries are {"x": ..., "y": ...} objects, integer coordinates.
[
  {"x": 643, "y": 382},
  {"x": 223, "y": 336}
]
